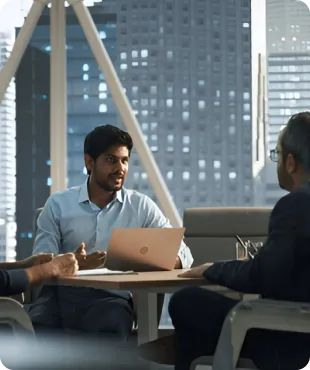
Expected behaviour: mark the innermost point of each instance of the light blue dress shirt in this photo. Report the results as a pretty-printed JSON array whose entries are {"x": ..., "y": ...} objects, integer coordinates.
[{"x": 69, "y": 218}]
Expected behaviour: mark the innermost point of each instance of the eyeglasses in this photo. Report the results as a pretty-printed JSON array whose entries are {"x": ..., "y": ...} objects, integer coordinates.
[{"x": 274, "y": 155}]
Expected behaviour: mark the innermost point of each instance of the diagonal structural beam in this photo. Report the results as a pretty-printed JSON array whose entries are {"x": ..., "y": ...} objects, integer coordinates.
[
  {"x": 20, "y": 45},
  {"x": 58, "y": 97},
  {"x": 125, "y": 111}
]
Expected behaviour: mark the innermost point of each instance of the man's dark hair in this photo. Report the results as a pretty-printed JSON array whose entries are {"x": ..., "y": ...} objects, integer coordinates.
[
  {"x": 295, "y": 139},
  {"x": 104, "y": 137}
]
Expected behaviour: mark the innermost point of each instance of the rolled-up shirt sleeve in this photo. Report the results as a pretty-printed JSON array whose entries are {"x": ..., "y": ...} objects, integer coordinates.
[
  {"x": 13, "y": 282},
  {"x": 153, "y": 217}
]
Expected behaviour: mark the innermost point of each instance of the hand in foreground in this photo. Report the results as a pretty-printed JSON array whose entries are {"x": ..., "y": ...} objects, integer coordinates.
[
  {"x": 64, "y": 265},
  {"x": 195, "y": 272},
  {"x": 89, "y": 261},
  {"x": 36, "y": 259}
]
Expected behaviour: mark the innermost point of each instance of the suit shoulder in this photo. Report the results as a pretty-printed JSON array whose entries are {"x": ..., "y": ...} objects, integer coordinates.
[
  {"x": 299, "y": 197},
  {"x": 300, "y": 194}
]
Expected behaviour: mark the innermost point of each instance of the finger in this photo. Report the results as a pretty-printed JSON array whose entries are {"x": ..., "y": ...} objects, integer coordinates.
[
  {"x": 45, "y": 260},
  {"x": 70, "y": 256},
  {"x": 186, "y": 273},
  {"x": 183, "y": 275},
  {"x": 81, "y": 249},
  {"x": 95, "y": 257},
  {"x": 97, "y": 253},
  {"x": 73, "y": 269},
  {"x": 47, "y": 256}
]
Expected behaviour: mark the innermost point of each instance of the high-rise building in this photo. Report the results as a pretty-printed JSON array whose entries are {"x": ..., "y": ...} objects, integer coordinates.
[
  {"x": 288, "y": 46},
  {"x": 288, "y": 26},
  {"x": 289, "y": 91},
  {"x": 33, "y": 147},
  {"x": 187, "y": 70},
  {"x": 7, "y": 158}
]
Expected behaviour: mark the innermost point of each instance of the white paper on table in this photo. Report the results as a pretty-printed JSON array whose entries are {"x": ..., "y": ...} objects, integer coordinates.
[{"x": 103, "y": 271}]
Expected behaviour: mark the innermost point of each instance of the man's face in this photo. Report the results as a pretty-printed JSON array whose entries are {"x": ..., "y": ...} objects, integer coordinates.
[
  {"x": 285, "y": 168},
  {"x": 110, "y": 168}
]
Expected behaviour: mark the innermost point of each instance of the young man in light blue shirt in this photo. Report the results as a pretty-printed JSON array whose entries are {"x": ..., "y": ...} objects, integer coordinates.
[{"x": 87, "y": 214}]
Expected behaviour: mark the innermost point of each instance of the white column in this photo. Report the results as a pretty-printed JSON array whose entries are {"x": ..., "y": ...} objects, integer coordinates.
[
  {"x": 58, "y": 97},
  {"x": 126, "y": 112},
  {"x": 20, "y": 45}
]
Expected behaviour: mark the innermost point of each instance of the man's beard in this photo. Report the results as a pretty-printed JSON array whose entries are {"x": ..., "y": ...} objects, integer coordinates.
[
  {"x": 104, "y": 185},
  {"x": 285, "y": 181}
]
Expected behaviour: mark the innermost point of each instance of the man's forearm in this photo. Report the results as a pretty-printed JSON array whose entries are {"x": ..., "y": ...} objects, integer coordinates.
[
  {"x": 11, "y": 265},
  {"x": 37, "y": 274},
  {"x": 235, "y": 275},
  {"x": 18, "y": 280}
]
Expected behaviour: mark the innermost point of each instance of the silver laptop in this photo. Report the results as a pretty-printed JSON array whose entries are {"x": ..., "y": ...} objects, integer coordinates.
[{"x": 145, "y": 249}]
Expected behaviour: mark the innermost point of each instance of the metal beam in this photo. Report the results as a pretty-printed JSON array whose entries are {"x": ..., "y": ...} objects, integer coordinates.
[
  {"x": 20, "y": 45},
  {"x": 58, "y": 97}
]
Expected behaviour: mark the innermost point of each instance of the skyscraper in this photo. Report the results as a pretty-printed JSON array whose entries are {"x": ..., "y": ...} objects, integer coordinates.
[
  {"x": 288, "y": 43},
  {"x": 32, "y": 138},
  {"x": 288, "y": 26},
  {"x": 187, "y": 70},
  {"x": 288, "y": 46},
  {"x": 289, "y": 90},
  {"x": 7, "y": 158}
]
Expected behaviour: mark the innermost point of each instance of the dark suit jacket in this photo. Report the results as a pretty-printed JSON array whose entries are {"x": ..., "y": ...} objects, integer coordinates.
[
  {"x": 13, "y": 282},
  {"x": 280, "y": 271}
]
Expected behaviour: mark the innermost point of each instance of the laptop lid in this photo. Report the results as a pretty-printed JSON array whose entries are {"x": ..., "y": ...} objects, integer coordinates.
[{"x": 144, "y": 249}]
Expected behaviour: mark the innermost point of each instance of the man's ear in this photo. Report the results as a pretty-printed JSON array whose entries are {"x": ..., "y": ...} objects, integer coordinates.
[
  {"x": 89, "y": 162},
  {"x": 290, "y": 164}
]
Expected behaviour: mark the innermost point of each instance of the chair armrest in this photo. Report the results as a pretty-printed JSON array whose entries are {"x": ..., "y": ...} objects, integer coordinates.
[
  {"x": 260, "y": 313},
  {"x": 17, "y": 297},
  {"x": 12, "y": 313}
]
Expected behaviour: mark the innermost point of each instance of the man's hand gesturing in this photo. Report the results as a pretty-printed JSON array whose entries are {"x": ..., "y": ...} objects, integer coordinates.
[{"x": 89, "y": 261}]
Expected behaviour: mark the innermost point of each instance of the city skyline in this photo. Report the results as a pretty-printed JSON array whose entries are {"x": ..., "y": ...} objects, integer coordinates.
[{"x": 162, "y": 105}]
